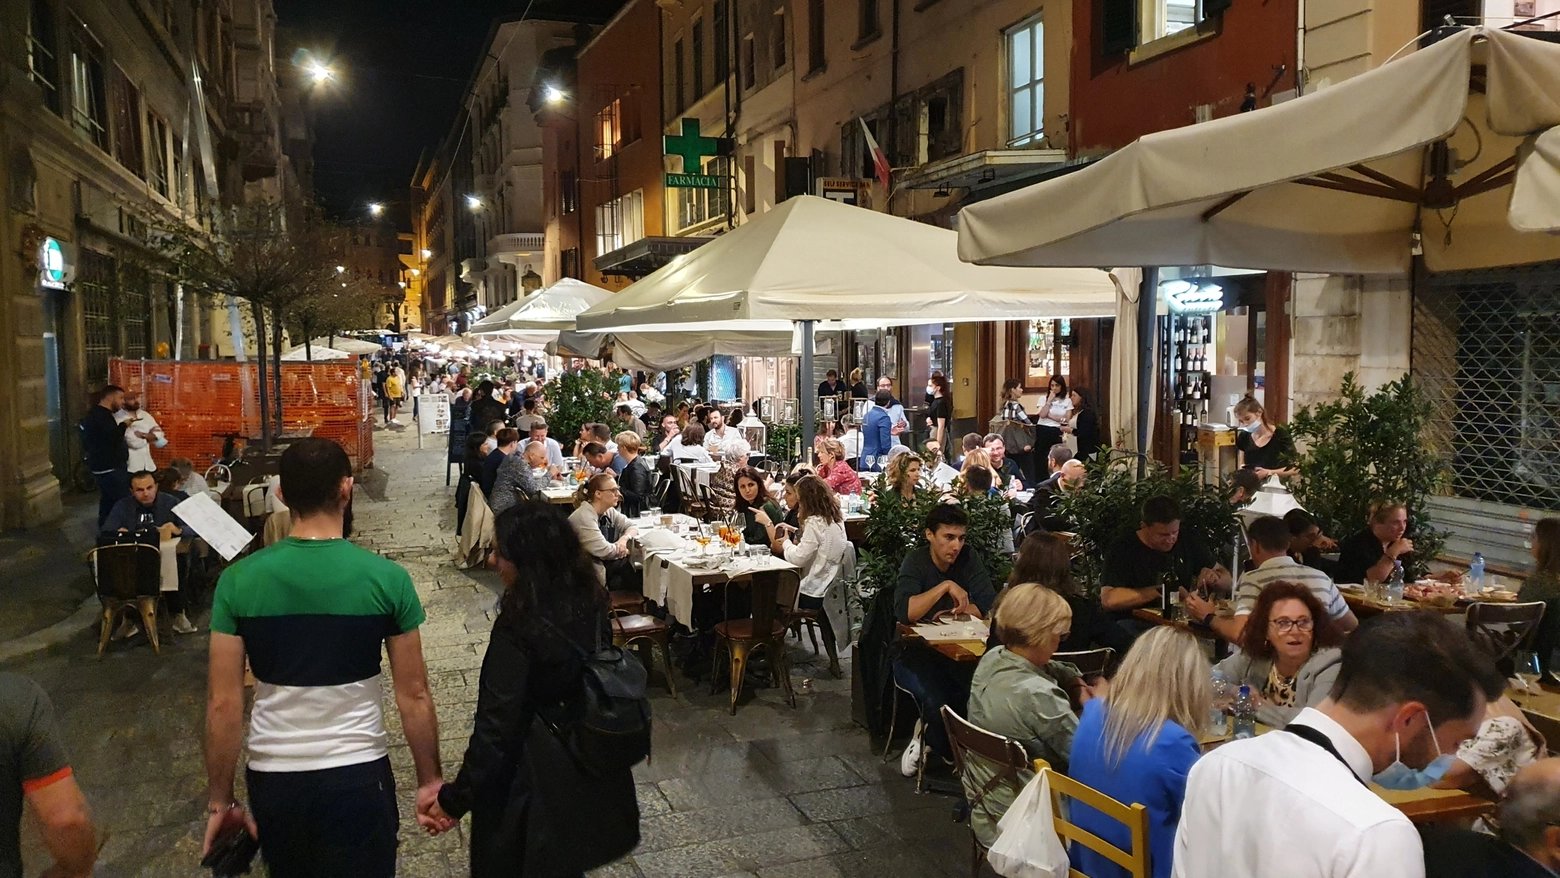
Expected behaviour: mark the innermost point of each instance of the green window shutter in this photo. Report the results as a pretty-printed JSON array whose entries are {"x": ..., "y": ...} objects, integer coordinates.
[{"x": 1121, "y": 25}]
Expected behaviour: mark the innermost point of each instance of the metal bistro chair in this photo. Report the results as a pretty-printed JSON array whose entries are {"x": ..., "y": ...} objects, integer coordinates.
[
  {"x": 128, "y": 576},
  {"x": 218, "y": 477},
  {"x": 1010, "y": 764},
  {"x": 740, "y": 637},
  {"x": 1091, "y": 663},
  {"x": 1504, "y": 630},
  {"x": 631, "y": 628}
]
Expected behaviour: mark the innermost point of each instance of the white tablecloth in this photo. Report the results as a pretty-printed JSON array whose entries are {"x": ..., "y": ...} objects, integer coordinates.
[
  {"x": 699, "y": 472},
  {"x": 671, "y": 586}
]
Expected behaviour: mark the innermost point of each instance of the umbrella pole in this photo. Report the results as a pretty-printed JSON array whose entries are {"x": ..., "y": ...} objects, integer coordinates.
[
  {"x": 1148, "y": 345},
  {"x": 807, "y": 391}
]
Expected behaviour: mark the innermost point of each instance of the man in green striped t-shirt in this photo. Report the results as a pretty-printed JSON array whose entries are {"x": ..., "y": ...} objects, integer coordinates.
[{"x": 311, "y": 613}]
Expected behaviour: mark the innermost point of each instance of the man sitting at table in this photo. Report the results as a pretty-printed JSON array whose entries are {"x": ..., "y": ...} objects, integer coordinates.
[
  {"x": 554, "y": 450},
  {"x": 1270, "y": 562},
  {"x": 943, "y": 576},
  {"x": 1154, "y": 555},
  {"x": 1527, "y": 844},
  {"x": 508, "y": 439},
  {"x": 1064, "y": 471},
  {"x": 520, "y": 477},
  {"x": 599, "y": 459},
  {"x": 720, "y": 436},
  {"x": 1368, "y": 555},
  {"x": 1006, "y": 470},
  {"x": 1295, "y": 803},
  {"x": 1307, "y": 542},
  {"x": 147, "y": 516}
]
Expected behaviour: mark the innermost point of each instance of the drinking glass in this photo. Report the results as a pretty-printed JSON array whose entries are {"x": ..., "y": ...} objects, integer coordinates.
[
  {"x": 1529, "y": 670},
  {"x": 1223, "y": 695}
]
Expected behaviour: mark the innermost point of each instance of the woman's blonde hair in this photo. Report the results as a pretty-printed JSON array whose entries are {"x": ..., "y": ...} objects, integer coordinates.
[
  {"x": 898, "y": 470},
  {"x": 1029, "y": 614},
  {"x": 628, "y": 440},
  {"x": 1248, "y": 405},
  {"x": 834, "y": 448},
  {"x": 976, "y": 457},
  {"x": 1165, "y": 676},
  {"x": 593, "y": 486}
]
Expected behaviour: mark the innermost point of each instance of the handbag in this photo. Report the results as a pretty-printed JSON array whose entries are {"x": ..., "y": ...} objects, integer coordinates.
[
  {"x": 1016, "y": 435},
  {"x": 1027, "y": 845}
]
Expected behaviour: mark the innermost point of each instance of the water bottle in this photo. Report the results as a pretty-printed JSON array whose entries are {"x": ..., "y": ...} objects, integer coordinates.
[
  {"x": 1245, "y": 711},
  {"x": 1476, "y": 573},
  {"x": 1395, "y": 584},
  {"x": 1217, "y": 721}
]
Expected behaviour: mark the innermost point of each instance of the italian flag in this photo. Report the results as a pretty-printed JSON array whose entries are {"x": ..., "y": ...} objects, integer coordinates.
[{"x": 879, "y": 159}]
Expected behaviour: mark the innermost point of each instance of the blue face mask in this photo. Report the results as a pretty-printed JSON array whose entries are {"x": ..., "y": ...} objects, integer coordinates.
[
  {"x": 1251, "y": 428},
  {"x": 1398, "y": 776}
]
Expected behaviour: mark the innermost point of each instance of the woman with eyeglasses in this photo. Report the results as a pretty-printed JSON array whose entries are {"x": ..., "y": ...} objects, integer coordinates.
[
  {"x": 1288, "y": 655},
  {"x": 604, "y": 531}
]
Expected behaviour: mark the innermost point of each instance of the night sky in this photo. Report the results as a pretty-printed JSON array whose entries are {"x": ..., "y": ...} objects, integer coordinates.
[{"x": 403, "y": 66}]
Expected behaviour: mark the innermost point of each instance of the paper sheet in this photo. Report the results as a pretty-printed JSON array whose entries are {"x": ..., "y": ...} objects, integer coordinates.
[
  {"x": 215, "y": 526},
  {"x": 954, "y": 631}
]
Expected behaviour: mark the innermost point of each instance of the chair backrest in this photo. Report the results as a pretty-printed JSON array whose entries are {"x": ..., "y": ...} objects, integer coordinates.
[
  {"x": 1547, "y": 726},
  {"x": 1005, "y": 753},
  {"x": 218, "y": 476},
  {"x": 1503, "y": 630},
  {"x": 790, "y": 590},
  {"x": 1089, "y": 662},
  {"x": 764, "y": 587},
  {"x": 126, "y": 571},
  {"x": 1134, "y": 816}
]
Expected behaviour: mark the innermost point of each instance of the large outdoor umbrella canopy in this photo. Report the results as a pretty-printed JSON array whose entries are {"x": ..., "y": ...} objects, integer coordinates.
[
  {"x": 1456, "y": 141},
  {"x": 498, "y": 321},
  {"x": 316, "y": 352},
  {"x": 814, "y": 259},
  {"x": 555, "y": 307},
  {"x": 346, "y": 343}
]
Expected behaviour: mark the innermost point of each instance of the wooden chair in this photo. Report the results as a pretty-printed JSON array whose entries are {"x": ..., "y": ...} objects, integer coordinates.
[
  {"x": 631, "y": 628},
  {"x": 1010, "y": 762},
  {"x": 128, "y": 576},
  {"x": 1504, "y": 630},
  {"x": 1548, "y": 727},
  {"x": 740, "y": 637},
  {"x": 797, "y": 618},
  {"x": 1090, "y": 663},
  {"x": 1134, "y": 816}
]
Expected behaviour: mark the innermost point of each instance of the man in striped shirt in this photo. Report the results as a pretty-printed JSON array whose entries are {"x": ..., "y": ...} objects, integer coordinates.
[
  {"x": 1270, "y": 562},
  {"x": 311, "y": 614}
]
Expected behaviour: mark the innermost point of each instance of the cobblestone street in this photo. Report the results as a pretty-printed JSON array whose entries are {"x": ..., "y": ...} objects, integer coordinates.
[{"x": 771, "y": 791}]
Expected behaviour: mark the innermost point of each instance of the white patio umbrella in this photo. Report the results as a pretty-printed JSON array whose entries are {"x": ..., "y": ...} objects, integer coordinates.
[
  {"x": 1456, "y": 143},
  {"x": 814, "y": 259},
  {"x": 347, "y": 343},
  {"x": 555, "y": 307},
  {"x": 498, "y": 321},
  {"x": 316, "y": 352}
]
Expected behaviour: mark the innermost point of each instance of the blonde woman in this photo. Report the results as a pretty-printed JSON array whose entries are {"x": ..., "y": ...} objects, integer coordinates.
[
  {"x": 1020, "y": 693},
  {"x": 833, "y": 469},
  {"x": 1262, "y": 448},
  {"x": 904, "y": 475},
  {"x": 1138, "y": 743}
]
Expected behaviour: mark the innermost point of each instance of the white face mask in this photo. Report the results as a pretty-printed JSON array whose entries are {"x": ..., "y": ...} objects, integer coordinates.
[{"x": 931, "y": 389}]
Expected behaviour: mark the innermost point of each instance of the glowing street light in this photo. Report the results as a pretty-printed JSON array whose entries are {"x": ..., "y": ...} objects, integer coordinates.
[
  {"x": 376, "y": 208},
  {"x": 320, "y": 72},
  {"x": 341, "y": 269},
  {"x": 473, "y": 202},
  {"x": 555, "y": 95},
  {"x": 427, "y": 254}
]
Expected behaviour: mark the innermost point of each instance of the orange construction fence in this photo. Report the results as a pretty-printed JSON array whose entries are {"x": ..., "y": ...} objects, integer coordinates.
[{"x": 200, "y": 404}]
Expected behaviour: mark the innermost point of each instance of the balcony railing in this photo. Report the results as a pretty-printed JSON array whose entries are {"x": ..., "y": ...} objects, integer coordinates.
[{"x": 517, "y": 244}]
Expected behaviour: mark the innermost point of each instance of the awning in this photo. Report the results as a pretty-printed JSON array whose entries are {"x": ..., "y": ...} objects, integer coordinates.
[
  {"x": 640, "y": 258},
  {"x": 347, "y": 344},
  {"x": 498, "y": 321},
  {"x": 316, "y": 352},
  {"x": 1458, "y": 139},
  {"x": 984, "y": 168},
  {"x": 815, "y": 259},
  {"x": 555, "y": 307}
]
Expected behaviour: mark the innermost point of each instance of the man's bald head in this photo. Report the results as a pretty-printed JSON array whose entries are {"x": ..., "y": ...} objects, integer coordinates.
[
  {"x": 1073, "y": 473},
  {"x": 536, "y": 454},
  {"x": 1530, "y": 812}
]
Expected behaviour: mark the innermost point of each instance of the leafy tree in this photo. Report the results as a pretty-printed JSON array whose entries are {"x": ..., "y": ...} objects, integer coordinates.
[
  {"x": 331, "y": 312},
  {"x": 1360, "y": 449},
  {"x": 579, "y": 398}
]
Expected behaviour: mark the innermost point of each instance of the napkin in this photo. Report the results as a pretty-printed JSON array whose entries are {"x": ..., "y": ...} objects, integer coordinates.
[{"x": 661, "y": 539}]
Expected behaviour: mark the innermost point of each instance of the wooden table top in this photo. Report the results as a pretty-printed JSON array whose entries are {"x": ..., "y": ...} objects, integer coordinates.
[
  {"x": 1363, "y": 606},
  {"x": 957, "y": 650}
]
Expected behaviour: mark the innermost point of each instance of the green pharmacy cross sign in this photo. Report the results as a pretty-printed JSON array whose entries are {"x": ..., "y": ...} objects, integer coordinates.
[{"x": 693, "y": 148}]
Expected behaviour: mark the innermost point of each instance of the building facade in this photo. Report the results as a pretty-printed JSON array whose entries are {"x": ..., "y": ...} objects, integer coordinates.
[{"x": 104, "y": 134}]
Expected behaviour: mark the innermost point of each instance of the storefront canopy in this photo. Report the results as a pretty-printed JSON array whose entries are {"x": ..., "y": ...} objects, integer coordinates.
[
  {"x": 815, "y": 259},
  {"x": 660, "y": 351},
  {"x": 1458, "y": 139}
]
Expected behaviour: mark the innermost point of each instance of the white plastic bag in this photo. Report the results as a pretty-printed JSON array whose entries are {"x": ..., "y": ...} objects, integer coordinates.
[{"x": 1027, "y": 845}]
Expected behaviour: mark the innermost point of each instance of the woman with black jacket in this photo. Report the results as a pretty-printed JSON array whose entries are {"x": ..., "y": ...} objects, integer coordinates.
[
  {"x": 551, "y": 609},
  {"x": 1085, "y": 425}
]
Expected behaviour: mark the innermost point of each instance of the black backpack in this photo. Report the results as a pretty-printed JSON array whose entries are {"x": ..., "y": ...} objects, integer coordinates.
[{"x": 606, "y": 726}]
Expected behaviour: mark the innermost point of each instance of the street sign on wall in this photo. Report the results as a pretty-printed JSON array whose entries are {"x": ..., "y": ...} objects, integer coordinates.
[{"x": 845, "y": 190}]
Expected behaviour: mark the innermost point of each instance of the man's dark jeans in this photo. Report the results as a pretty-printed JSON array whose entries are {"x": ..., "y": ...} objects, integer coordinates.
[
  {"x": 332, "y": 823},
  {"x": 934, "y": 680},
  {"x": 113, "y": 486}
]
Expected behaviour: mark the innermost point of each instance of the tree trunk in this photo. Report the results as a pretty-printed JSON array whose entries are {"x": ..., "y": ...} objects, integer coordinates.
[
  {"x": 276, "y": 350},
  {"x": 265, "y": 395}
]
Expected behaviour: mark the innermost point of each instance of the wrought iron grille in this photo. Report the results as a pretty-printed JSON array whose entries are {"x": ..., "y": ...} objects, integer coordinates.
[
  {"x": 1486, "y": 350},
  {"x": 135, "y": 310},
  {"x": 95, "y": 284}
]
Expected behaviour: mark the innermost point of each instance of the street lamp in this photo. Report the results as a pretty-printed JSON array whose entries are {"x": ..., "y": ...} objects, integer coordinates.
[
  {"x": 427, "y": 254},
  {"x": 375, "y": 208},
  {"x": 320, "y": 72},
  {"x": 473, "y": 202},
  {"x": 555, "y": 95},
  {"x": 341, "y": 269}
]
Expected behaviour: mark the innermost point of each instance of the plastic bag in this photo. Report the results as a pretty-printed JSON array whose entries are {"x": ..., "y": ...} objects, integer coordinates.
[{"x": 1027, "y": 845}]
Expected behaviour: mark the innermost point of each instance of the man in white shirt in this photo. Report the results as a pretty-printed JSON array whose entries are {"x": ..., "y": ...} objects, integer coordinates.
[
  {"x": 539, "y": 434},
  {"x": 895, "y": 409},
  {"x": 1294, "y": 803},
  {"x": 719, "y": 438},
  {"x": 141, "y": 431},
  {"x": 1270, "y": 562}
]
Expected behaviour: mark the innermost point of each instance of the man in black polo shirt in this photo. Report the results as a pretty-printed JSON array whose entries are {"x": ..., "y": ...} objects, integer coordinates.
[
  {"x": 1139, "y": 565},
  {"x": 103, "y": 441},
  {"x": 943, "y": 576}
]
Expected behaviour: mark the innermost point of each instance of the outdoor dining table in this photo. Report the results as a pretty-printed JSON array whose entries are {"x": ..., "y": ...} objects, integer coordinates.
[
  {"x": 1363, "y": 606},
  {"x": 561, "y": 495},
  {"x": 1154, "y": 616},
  {"x": 955, "y": 650},
  {"x": 672, "y": 576}
]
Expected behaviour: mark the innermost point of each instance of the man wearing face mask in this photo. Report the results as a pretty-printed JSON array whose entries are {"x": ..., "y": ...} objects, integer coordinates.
[
  {"x": 1528, "y": 844},
  {"x": 1412, "y": 686}
]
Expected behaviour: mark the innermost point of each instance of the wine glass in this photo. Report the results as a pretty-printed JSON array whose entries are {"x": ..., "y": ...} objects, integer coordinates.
[{"x": 1528, "y": 670}]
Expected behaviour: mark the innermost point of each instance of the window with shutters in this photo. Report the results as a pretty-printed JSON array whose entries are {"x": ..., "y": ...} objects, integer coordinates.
[
  {"x": 698, "y": 59},
  {"x": 777, "y": 40},
  {"x": 679, "y": 80},
  {"x": 722, "y": 42},
  {"x": 129, "y": 142},
  {"x": 159, "y": 155},
  {"x": 42, "y": 58},
  {"x": 1026, "y": 83},
  {"x": 749, "y": 62},
  {"x": 568, "y": 193},
  {"x": 620, "y": 222},
  {"x": 867, "y": 18},
  {"x": 696, "y": 207},
  {"x": 88, "y": 87}
]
